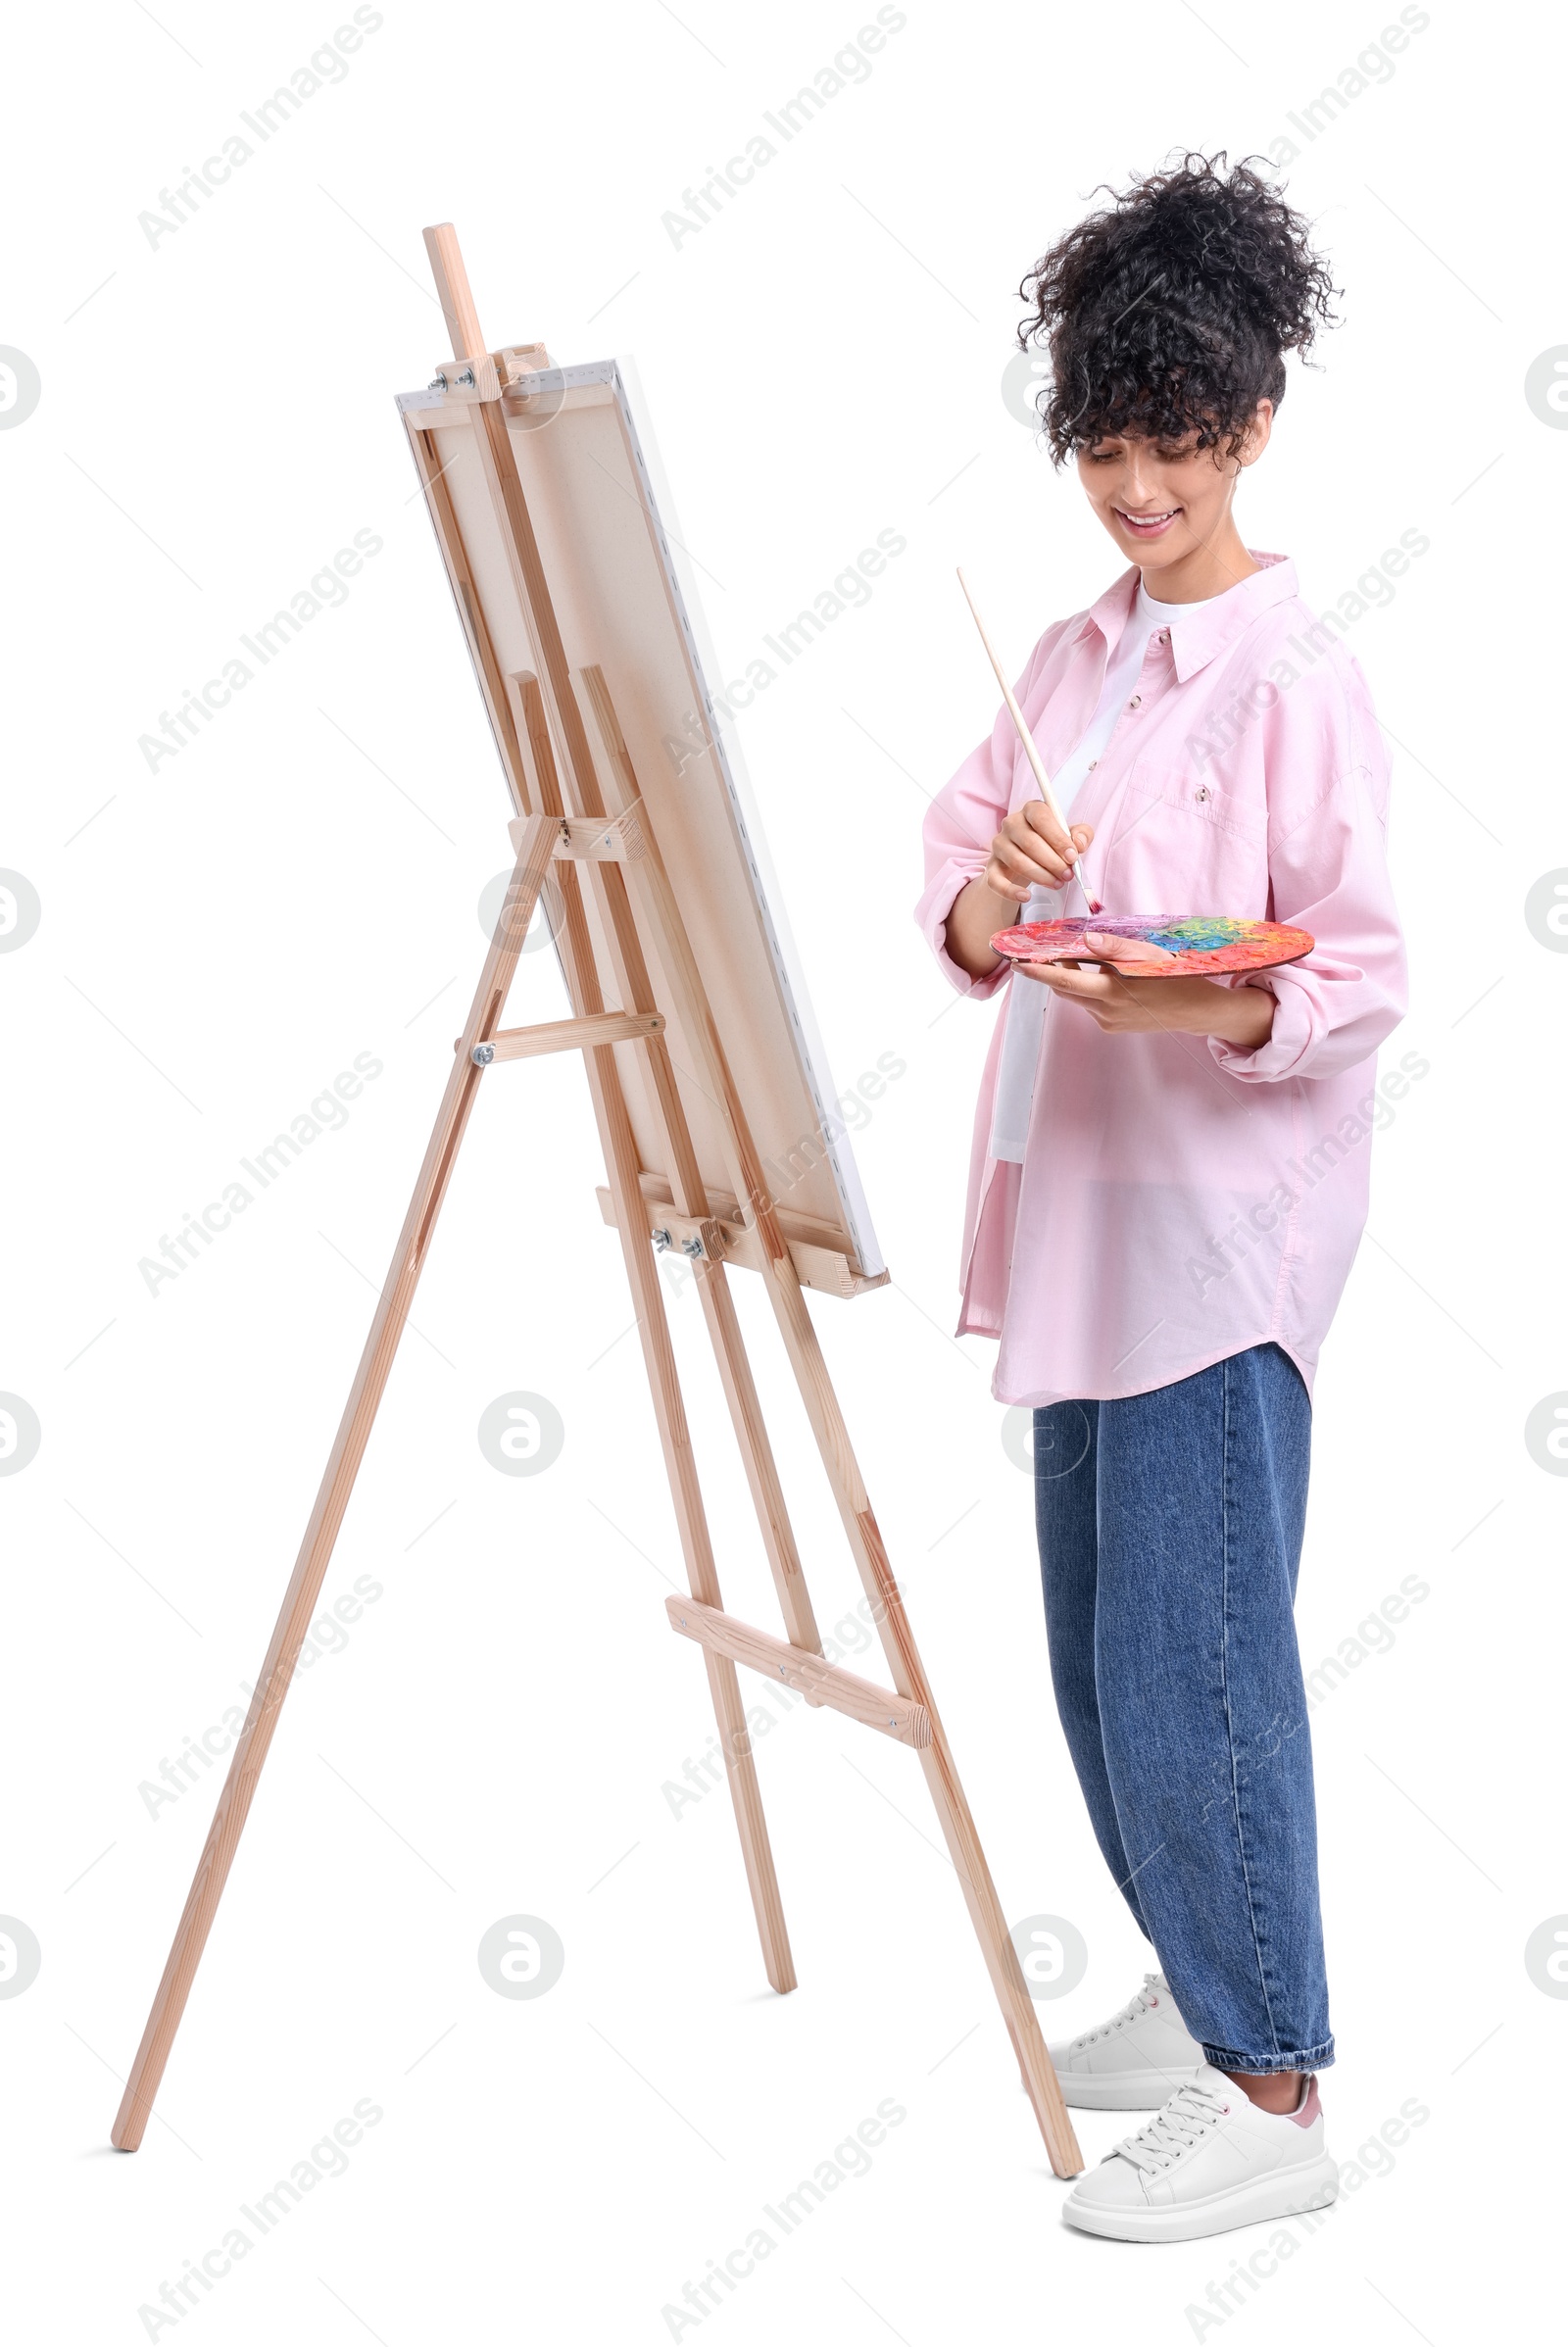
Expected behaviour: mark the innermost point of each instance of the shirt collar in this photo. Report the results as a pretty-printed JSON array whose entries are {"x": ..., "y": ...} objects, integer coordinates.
[{"x": 1213, "y": 626}]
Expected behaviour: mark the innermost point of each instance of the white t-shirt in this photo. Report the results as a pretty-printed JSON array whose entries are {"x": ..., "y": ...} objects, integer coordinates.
[{"x": 1027, "y": 998}]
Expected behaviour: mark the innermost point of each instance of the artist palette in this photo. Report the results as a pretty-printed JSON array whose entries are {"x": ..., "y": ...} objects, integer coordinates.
[{"x": 1199, "y": 945}]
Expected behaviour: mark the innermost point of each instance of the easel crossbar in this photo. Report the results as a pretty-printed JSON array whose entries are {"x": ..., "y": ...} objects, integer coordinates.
[
  {"x": 820, "y": 1683},
  {"x": 594, "y": 839},
  {"x": 566, "y": 1035}
]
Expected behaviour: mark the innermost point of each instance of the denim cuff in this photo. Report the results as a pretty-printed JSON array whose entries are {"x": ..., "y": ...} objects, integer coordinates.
[{"x": 1313, "y": 2057}]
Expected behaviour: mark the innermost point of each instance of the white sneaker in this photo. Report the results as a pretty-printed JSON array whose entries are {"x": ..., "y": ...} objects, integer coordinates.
[
  {"x": 1133, "y": 2061},
  {"x": 1208, "y": 2161}
]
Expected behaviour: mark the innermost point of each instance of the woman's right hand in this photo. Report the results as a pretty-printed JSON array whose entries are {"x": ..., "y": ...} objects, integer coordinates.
[{"x": 1033, "y": 851}]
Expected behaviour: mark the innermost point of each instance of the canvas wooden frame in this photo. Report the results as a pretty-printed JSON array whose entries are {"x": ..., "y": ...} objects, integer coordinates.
[{"x": 622, "y": 605}]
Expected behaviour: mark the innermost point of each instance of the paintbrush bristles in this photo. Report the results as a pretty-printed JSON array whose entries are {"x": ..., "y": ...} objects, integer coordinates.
[{"x": 1036, "y": 763}]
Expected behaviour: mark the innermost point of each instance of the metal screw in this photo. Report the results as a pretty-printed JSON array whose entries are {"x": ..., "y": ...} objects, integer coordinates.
[
  {"x": 438, "y": 383},
  {"x": 483, "y": 1054},
  {"x": 662, "y": 1240},
  {"x": 691, "y": 1246},
  {"x": 465, "y": 378}
]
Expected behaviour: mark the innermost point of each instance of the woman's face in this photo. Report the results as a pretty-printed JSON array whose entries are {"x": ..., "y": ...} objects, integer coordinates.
[{"x": 1163, "y": 501}]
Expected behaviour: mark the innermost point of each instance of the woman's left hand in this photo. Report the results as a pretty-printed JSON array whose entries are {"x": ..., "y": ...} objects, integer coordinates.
[{"x": 1118, "y": 1006}]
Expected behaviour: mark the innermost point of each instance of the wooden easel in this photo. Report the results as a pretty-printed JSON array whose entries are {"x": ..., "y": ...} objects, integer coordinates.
[{"x": 587, "y": 858}]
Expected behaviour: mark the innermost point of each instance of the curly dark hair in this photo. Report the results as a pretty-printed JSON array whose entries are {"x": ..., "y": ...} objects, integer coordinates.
[{"x": 1170, "y": 308}]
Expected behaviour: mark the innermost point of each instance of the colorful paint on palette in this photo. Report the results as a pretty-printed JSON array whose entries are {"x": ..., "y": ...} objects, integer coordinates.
[{"x": 1199, "y": 944}]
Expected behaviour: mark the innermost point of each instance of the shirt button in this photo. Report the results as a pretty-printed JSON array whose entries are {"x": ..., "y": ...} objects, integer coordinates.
[
  {"x": 1093, "y": 763},
  {"x": 1164, "y": 635},
  {"x": 1136, "y": 699},
  {"x": 1201, "y": 791}
]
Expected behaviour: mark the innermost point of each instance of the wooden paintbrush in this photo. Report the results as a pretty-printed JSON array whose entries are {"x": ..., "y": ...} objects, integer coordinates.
[{"x": 1028, "y": 741}]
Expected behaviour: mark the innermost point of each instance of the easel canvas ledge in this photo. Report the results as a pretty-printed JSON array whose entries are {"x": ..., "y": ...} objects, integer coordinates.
[{"x": 702, "y": 1067}]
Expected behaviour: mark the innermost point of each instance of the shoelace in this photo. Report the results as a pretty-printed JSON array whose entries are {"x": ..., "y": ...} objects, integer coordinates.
[
  {"x": 1193, "y": 2110},
  {"x": 1135, "y": 2008}
]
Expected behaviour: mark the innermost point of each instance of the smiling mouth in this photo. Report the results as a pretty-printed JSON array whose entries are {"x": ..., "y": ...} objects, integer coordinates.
[{"x": 1147, "y": 525}]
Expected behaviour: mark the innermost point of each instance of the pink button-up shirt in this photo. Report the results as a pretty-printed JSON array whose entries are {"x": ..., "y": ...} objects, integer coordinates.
[{"x": 1181, "y": 1199}]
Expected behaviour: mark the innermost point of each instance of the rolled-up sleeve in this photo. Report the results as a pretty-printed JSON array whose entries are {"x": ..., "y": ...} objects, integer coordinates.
[
  {"x": 1329, "y": 874},
  {"x": 944, "y": 888}
]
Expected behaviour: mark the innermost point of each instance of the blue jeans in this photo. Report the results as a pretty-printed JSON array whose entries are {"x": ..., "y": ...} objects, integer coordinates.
[{"x": 1170, "y": 1532}]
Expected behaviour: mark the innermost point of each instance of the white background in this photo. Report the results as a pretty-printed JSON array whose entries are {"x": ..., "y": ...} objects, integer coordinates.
[{"x": 300, "y": 884}]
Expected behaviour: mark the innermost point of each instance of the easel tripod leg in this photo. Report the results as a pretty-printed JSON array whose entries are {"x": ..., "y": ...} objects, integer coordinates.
[
  {"x": 321, "y": 1534},
  {"x": 670, "y": 1412},
  {"x": 622, "y": 1165},
  {"x": 959, "y": 1829}
]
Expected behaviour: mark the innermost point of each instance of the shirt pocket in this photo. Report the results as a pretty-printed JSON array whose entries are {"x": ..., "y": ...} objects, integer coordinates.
[{"x": 1181, "y": 843}]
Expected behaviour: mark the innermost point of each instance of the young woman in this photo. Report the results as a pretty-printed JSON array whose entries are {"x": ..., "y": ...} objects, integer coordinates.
[{"x": 1169, "y": 1176}]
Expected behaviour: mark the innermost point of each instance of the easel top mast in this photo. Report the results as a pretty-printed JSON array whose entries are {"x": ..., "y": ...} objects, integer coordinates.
[{"x": 454, "y": 292}]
